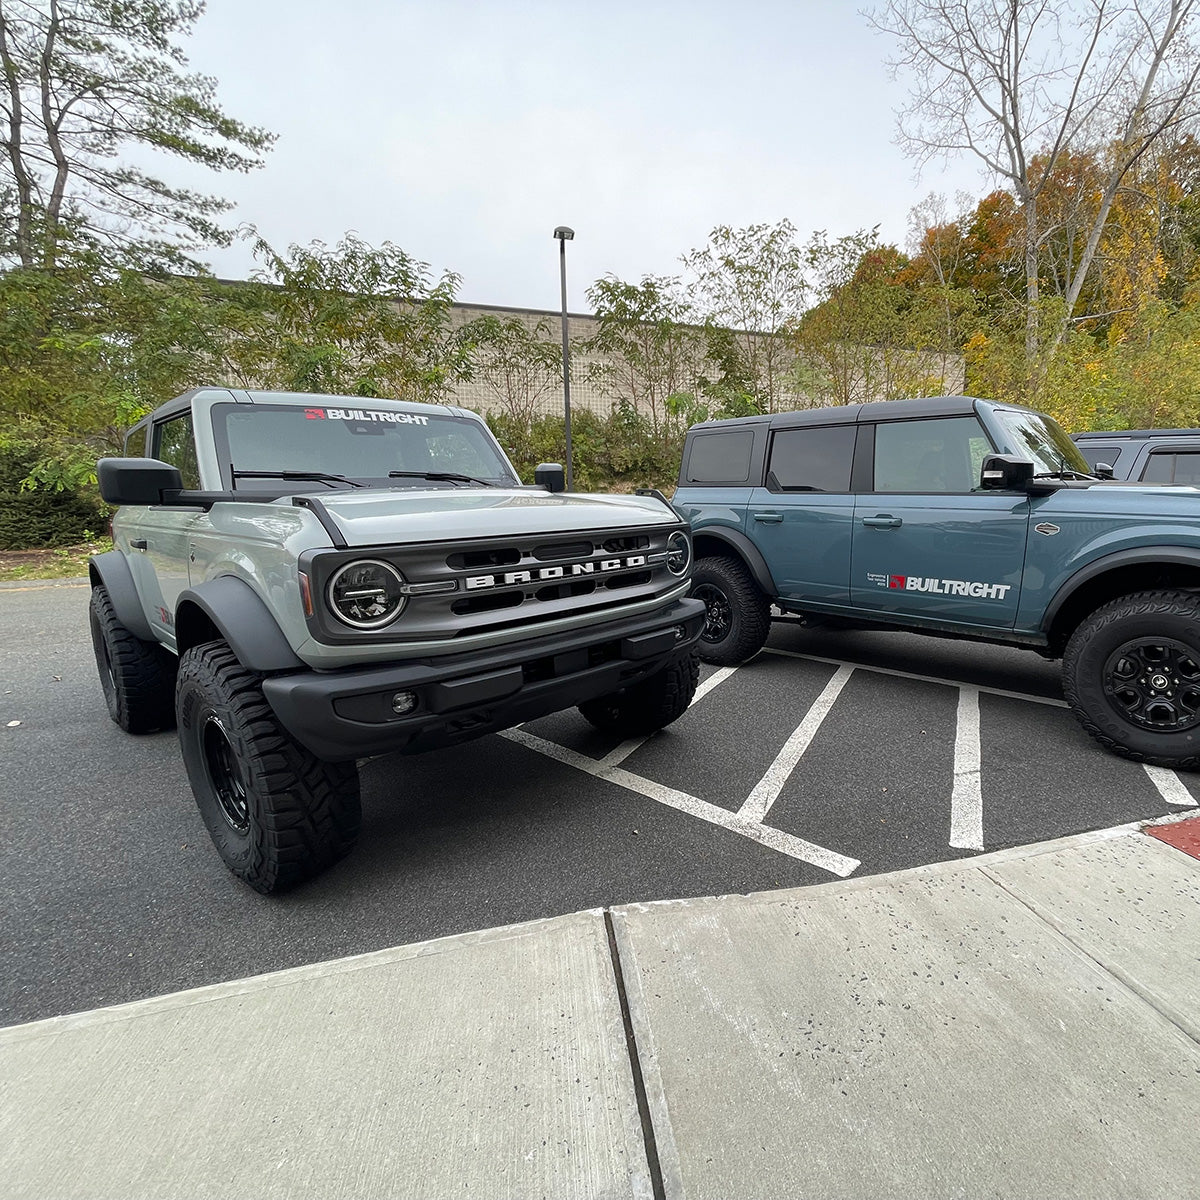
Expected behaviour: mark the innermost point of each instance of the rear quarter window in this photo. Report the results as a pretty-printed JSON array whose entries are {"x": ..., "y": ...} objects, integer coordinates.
[
  {"x": 720, "y": 457},
  {"x": 1179, "y": 467}
]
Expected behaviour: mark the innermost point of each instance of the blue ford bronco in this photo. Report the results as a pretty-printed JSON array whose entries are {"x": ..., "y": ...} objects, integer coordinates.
[{"x": 956, "y": 517}]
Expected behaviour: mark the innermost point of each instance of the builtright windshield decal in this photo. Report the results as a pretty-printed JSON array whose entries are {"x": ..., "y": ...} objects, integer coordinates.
[
  {"x": 365, "y": 414},
  {"x": 941, "y": 587}
]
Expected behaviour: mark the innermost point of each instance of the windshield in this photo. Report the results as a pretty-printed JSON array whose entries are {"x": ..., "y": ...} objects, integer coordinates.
[
  {"x": 1040, "y": 438},
  {"x": 360, "y": 443}
]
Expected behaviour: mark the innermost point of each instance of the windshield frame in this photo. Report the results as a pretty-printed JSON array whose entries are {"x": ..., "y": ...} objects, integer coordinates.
[
  {"x": 1008, "y": 422},
  {"x": 227, "y": 459}
]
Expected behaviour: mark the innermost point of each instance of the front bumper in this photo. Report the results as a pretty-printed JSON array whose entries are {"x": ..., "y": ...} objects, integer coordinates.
[{"x": 342, "y": 715}]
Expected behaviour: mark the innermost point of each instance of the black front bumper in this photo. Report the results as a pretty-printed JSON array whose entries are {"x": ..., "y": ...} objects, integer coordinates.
[{"x": 341, "y": 715}]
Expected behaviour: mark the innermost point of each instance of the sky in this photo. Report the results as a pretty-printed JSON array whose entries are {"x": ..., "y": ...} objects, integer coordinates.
[{"x": 465, "y": 131}]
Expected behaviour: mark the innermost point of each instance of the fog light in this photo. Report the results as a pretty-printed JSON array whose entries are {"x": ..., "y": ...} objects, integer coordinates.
[
  {"x": 404, "y": 702},
  {"x": 680, "y": 633}
]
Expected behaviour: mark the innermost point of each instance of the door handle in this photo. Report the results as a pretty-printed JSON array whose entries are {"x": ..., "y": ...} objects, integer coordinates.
[
  {"x": 138, "y": 543},
  {"x": 769, "y": 518},
  {"x": 883, "y": 522}
]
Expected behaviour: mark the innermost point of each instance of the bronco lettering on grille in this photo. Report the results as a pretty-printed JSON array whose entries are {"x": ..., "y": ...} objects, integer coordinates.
[{"x": 565, "y": 571}]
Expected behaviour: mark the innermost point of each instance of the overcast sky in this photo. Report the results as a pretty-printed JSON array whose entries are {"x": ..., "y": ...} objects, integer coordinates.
[{"x": 466, "y": 130}]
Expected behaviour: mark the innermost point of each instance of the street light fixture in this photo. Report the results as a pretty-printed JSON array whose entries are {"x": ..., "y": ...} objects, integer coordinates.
[{"x": 564, "y": 234}]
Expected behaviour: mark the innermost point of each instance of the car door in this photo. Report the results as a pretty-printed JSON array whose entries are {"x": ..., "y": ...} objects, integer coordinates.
[
  {"x": 160, "y": 543},
  {"x": 928, "y": 545},
  {"x": 802, "y": 519}
]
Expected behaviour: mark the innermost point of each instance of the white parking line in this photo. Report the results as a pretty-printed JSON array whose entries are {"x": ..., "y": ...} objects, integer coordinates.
[
  {"x": 776, "y": 839},
  {"x": 1170, "y": 786},
  {"x": 717, "y": 677},
  {"x": 966, "y": 800},
  {"x": 979, "y": 687},
  {"x": 767, "y": 790}
]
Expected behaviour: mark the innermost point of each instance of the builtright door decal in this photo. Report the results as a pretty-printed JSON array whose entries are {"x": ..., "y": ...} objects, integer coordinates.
[{"x": 941, "y": 587}]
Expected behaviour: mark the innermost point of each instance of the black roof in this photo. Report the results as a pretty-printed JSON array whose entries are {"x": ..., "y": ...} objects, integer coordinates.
[
  {"x": 1144, "y": 434},
  {"x": 875, "y": 410}
]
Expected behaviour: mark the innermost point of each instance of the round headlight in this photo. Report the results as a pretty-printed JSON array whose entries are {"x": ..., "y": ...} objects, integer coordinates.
[
  {"x": 679, "y": 553},
  {"x": 366, "y": 594}
]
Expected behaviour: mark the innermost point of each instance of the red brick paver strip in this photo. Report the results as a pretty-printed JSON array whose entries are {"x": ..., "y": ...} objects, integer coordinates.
[{"x": 1183, "y": 835}]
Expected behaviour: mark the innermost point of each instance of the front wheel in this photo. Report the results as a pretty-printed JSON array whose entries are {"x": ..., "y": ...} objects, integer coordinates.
[
  {"x": 737, "y": 615},
  {"x": 276, "y": 814},
  {"x": 648, "y": 705},
  {"x": 1131, "y": 673}
]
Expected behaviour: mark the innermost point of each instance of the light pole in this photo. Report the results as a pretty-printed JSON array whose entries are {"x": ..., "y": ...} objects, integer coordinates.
[{"x": 564, "y": 235}]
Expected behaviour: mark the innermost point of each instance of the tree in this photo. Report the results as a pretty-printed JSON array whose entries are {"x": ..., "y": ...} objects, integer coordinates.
[
  {"x": 355, "y": 319},
  {"x": 752, "y": 281},
  {"x": 85, "y": 81},
  {"x": 648, "y": 352},
  {"x": 518, "y": 364},
  {"x": 1023, "y": 83}
]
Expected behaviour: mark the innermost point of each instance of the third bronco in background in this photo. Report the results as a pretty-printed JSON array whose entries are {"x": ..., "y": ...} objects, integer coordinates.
[{"x": 959, "y": 517}]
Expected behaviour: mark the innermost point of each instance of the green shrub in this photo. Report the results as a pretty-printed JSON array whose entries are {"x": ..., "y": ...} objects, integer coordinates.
[{"x": 33, "y": 519}]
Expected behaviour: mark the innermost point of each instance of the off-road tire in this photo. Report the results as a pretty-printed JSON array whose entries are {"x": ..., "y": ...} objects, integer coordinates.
[
  {"x": 137, "y": 677},
  {"x": 649, "y": 705},
  {"x": 738, "y": 615},
  {"x": 1136, "y": 619},
  {"x": 277, "y": 814}
]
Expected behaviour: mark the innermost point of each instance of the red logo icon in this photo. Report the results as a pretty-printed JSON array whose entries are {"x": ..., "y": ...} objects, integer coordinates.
[
  {"x": 314, "y": 414},
  {"x": 898, "y": 581}
]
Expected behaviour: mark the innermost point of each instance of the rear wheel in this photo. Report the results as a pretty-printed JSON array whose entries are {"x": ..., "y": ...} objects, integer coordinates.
[
  {"x": 137, "y": 677},
  {"x": 737, "y": 614},
  {"x": 276, "y": 814},
  {"x": 1131, "y": 672},
  {"x": 649, "y": 705}
]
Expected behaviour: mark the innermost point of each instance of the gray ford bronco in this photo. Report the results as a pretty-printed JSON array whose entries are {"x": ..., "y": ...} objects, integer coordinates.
[
  {"x": 963, "y": 518},
  {"x": 301, "y": 581}
]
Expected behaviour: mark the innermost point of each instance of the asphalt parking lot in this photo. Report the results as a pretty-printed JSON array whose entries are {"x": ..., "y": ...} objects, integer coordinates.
[{"x": 830, "y": 755}]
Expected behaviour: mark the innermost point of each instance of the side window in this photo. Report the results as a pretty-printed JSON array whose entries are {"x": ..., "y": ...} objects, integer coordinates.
[
  {"x": 816, "y": 459},
  {"x": 1100, "y": 454},
  {"x": 940, "y": 455},
  {"x": 135, "y": 442},
  {"x": 720, "y": 457},
  {"x": 174, "y": 444},
  {"x": 1181, "y": 467}
]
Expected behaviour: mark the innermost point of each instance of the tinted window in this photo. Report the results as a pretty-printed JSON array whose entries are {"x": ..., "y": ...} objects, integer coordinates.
[
  {"x": 1100, "y": 454},
  {"x": 720, "y": 457},
  {"x": 943, "y": 455},
  {"x": 176, "y": 445},
  {"x": 360, "y": 443},
  {"x": 135, "y": 442},
  {"x": 812, "y": 460},
  {"x": 1179, "y": 467}
]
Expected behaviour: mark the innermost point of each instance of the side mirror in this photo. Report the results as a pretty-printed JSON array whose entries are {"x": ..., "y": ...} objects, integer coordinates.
[
  {"x": 551, "y": 476},
  {"x": 1005, "y": 473},
  {"x": 136, "y": 480},
  {"x": 1104, "y": 471}
]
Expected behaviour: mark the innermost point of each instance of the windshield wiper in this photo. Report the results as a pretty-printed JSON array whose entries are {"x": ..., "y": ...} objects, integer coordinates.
[
  {"x": 316, "y": 476},
  {"x": 1064, "y": 473},
  {"x": 448, "y": 476}
]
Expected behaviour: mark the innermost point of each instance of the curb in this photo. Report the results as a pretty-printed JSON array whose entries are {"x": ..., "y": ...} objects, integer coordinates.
[{"x": 35, "y": 585}]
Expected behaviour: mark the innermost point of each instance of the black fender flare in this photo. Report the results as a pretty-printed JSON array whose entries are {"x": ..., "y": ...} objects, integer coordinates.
[
  {"x": 241, "y": 617},
  {"x": 112, "y": 572},
  {"x": 744, "y": 549},
  {"x": 1139, "y": 556}
]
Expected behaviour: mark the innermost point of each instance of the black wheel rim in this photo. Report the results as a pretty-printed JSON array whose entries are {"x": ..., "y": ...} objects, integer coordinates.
[
  {"x": 718, "y": 612},
  {"x": 108, "y": 679},
  {"x": 221, "y": 765},
  {"x": 1154, "y": 683}
]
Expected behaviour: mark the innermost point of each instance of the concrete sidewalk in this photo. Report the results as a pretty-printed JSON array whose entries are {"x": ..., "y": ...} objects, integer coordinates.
[{"x": 1022, "y": 1024}]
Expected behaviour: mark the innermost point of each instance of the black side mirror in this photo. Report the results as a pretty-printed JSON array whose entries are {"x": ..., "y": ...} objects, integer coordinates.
[
  {"x": 136, "y": 480},
  {"x": 1005, "y": 473},
  {"x": 551, "y": 476},
  {"x": 1104, "y": 471}
]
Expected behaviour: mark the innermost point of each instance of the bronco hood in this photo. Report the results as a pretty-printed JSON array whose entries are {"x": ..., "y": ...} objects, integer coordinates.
[{"x": 375, "y": 518}]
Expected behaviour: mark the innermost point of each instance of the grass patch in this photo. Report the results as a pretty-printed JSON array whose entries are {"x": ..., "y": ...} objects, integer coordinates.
[{"x": 64, "y": 562}]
